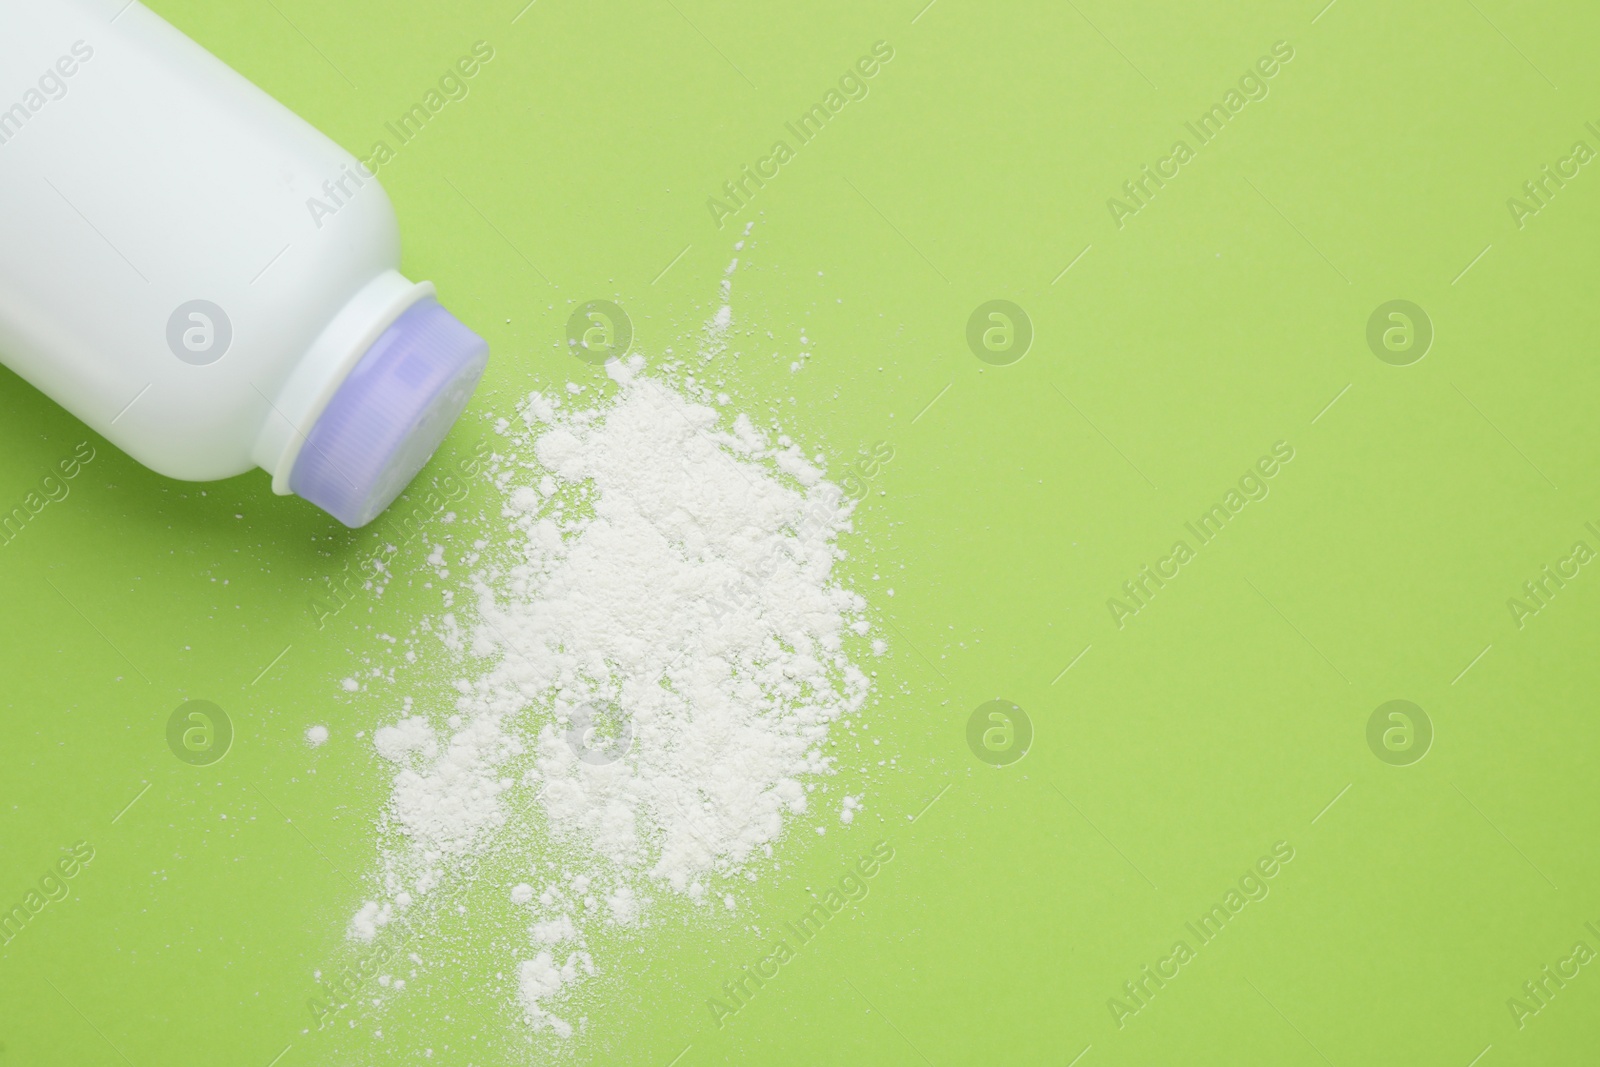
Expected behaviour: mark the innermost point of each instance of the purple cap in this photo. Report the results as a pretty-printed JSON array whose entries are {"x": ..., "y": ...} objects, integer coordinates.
[{"x": 389, "y": 415}]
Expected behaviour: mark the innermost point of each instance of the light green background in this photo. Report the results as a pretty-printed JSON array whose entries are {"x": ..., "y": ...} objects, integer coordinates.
[{"x": 1225, "y": 316}]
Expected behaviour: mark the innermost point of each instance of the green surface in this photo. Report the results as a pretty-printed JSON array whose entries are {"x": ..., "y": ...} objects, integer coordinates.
[{"x": 1223, "y": 718}]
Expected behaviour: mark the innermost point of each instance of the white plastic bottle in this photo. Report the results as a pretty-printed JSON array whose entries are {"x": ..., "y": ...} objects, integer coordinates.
[{"x": 171, "y": 274}]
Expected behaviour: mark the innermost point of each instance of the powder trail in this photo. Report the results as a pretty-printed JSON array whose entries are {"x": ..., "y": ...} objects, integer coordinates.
[{"x": 657, "y": 652}]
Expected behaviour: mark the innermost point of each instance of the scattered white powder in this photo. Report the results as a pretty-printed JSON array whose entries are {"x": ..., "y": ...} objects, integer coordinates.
[
  {"x": 316, "y": 735},
  {"x": 395, "y": 742},
  {"x": 715, "y": 340},
  {"x": 366, "y": 922},
  {"x": 554, "y": 931},
  {"x": 624, "y": 906},
  {"x": 656, "y": 649},
  {"x": 540, "y": 980}
]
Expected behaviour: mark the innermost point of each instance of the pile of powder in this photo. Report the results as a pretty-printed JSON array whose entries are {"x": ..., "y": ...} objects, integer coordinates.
[{"x": 658, "y": 647}]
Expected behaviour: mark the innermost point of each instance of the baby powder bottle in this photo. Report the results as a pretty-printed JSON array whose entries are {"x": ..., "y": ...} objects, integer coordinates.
[{"x": 204, "y": 278}]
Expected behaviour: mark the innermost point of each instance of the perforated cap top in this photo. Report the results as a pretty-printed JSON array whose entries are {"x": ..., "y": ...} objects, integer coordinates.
[{"x": 390, "y": 414}]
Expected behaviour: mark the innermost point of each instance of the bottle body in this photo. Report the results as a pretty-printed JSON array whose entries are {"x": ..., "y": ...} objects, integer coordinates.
[{"x": 185, "y": 264}]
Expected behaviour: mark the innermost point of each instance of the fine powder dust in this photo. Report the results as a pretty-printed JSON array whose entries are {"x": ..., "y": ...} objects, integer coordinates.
[{"x": 644, "y": 685}]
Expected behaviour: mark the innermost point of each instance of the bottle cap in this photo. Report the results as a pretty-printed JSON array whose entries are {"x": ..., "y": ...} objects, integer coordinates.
[{"x": 389, "y": 415}]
